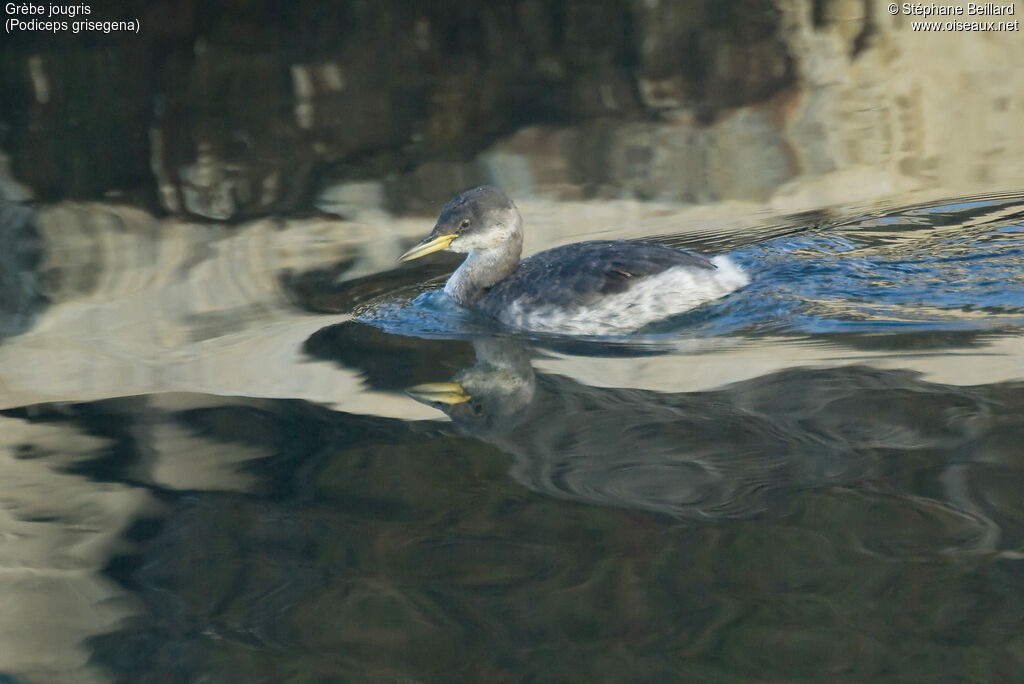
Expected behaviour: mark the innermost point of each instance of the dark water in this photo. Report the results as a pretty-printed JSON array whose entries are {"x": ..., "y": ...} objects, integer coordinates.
[{"x": 818, "y": 478}]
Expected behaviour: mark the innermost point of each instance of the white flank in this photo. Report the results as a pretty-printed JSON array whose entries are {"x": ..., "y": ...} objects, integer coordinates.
[{"x": 649, "y": 299}]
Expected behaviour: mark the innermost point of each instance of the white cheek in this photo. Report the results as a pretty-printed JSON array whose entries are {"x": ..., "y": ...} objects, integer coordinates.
[{"x": 493, "y": 237}]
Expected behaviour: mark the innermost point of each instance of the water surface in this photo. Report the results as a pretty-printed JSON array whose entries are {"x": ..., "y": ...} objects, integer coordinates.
[{"x": 212, "y": 470}]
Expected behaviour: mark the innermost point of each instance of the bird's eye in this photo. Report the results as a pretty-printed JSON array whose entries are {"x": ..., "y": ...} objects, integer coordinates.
[{"x": 464, "y": 224}]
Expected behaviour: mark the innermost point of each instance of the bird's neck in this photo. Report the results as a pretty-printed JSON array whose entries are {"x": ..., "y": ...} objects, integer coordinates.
[{"x": 482, "y": 269}]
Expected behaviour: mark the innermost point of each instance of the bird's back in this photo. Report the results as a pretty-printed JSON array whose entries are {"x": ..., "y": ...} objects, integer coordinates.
[{"x": 579, "y": 274}]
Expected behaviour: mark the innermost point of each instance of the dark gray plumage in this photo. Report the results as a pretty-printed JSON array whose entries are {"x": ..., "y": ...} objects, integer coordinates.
[{"x": 579, "y": 274}]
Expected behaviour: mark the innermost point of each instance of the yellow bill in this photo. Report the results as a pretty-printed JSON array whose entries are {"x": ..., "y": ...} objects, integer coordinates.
[
  {"x": 428, "y": 246},
  {"x": 439, "y": 393}
]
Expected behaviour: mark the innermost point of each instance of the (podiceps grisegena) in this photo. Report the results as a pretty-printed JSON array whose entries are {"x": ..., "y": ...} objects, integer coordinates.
[{"x": 597, "y": 287}]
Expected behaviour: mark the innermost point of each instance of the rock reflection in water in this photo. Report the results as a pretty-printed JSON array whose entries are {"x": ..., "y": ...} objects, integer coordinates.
[
  {"x": 58, "y": 531},
  {"x": 818, "y": 520},
  {"x": 20, "y": 254}
]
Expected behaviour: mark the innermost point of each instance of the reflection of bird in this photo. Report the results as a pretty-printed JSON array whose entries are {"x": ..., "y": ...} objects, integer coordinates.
[
  {"x": 597, "y": 287},
  {"x": 707, "y": 454},
  {"x": 490, "y": 396},
  {"x": 751, "y": 447}
]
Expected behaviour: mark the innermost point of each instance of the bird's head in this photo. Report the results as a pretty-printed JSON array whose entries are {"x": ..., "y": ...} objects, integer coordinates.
[{"x": 479, "y": 219}]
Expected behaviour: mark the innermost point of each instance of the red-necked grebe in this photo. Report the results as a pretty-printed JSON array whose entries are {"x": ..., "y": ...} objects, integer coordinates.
[{"x": 586, "y": 288}]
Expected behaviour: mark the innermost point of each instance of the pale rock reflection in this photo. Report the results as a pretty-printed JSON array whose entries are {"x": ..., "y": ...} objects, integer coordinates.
[{"x": 58, "y": 530}]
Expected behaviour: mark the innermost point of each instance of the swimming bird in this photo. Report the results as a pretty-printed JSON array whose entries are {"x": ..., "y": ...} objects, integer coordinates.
[{"x": 589, "y": 288}]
